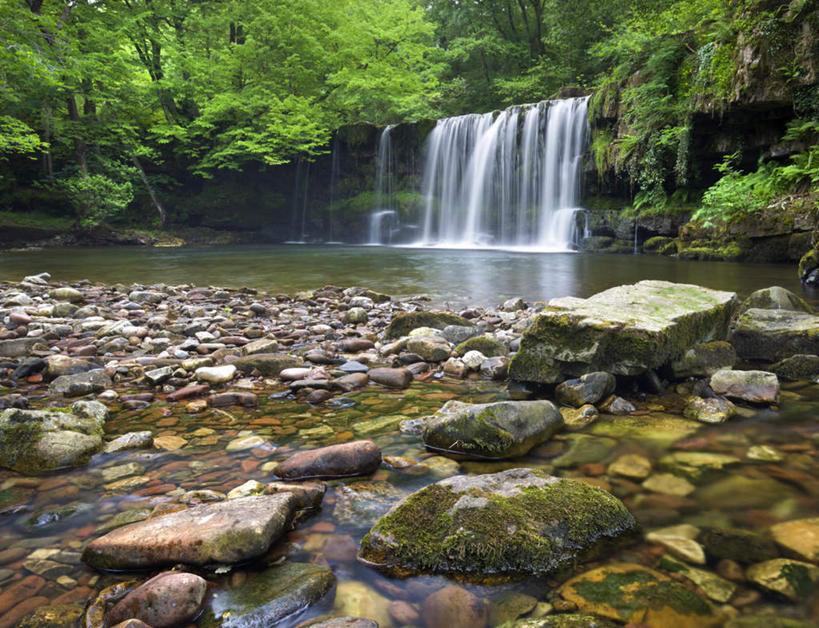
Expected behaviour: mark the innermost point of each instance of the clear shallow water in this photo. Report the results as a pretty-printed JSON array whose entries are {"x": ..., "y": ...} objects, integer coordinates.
[{"x": 448, "y": 276}]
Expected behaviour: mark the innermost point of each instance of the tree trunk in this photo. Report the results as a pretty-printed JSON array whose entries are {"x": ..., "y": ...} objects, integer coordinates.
[{"x": 151, "y": 191}]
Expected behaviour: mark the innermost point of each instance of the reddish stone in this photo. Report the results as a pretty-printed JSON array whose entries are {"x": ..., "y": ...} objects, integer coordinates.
[
  {"x": 267, "y": 421},
  {"x": 324, "y": 527},
  {"x": 10, "y": 619},
  {"x": 27, "y": 587},
  {"x": 248, "y": 466},
  {"x": 347, "y": 459},
  {"x": 159, "y": 489},
  {"x": 84, "y": 351},
  {"x": 194, "y": 390},
  {"x": 79, "y": 594}
]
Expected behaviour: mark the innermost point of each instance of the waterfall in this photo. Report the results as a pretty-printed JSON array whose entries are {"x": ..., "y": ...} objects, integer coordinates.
[
  {"x": 508, "y": 179},
  {"x": 383, "y": 217}
]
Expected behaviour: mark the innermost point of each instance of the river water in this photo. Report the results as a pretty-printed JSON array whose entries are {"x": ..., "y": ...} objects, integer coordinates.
[
  {"x": 58, "y": 514},
  {"x": 449, "y": 276}
]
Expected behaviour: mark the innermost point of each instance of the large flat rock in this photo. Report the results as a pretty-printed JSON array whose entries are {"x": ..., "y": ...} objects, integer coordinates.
[
  {"x": 222, "y": 532},
  {"x": 775, "y": 334},
  {"x": 625, "y": 330}
]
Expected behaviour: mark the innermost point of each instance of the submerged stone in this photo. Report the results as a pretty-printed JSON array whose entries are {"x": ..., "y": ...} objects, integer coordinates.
[
  {"x": 268, "y": 598},
  {"x": 638, "y": 595},
  {"x": 750, "y": 386},
  {"x": 516, "y": 522},
  {"x": 504, "y": 429},
  {"x": 589, "y": 388},
  {"x": 792, "y": 579},
  {"x": 625, "y": 330},
  {"x": 800, "y": 536}
]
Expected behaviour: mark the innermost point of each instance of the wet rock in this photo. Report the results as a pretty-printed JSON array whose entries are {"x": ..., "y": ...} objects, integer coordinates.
[
  {"x": 669, "y": 484},
  {"x": 576, "y": 419},
  {"x": 429, "y": 348},
  {"x": 775, "y": 298},
  {"x": 495, "y": 368},
  {"x": 638, "y": 595},
  {"x": 347, "y": 459},
  {"x": 696, "y": 465},
  {"x": 742, "y": 546},
  {"x": 58, "y": 365},
  {"x": 456, "y": 334},
  {"x": 268, "y": 364},
  {"x": 509, "y": 606},
  {"x": 355, "y": 345},
  {"x": 705, "y": 359},
  {"x": 404, "y": 322},
  {"x": 632, "y": 466},
  {"x": 245, "y": 442},
  {"x": 355, "y": 316},
  {"x": 751, "y": 386},
  {"x": 488, "y": 345},
  {"x": 710, "y": 410},
  {"x": 262, "y": 345},
  {"x": 390, "y": 377},
  {"x": 17, "y": 347},
  {"x": 66, "y": 293},
  {"x": 53, "y": 616},
  {"x": 157, "y": 376},
  {"x": 454, "y": 606},
  {"x": 355, "y": 598},
  {"x": 248, "y": 489},
  {"x": 589, "y": 388},
  {"x": 80, "y": 384},
  {"x": 455, "y": 367},
  {"x": 583, "y": 449},
  {"x": 351, "y": 381},
  {"x": 344, "y": 622},
  {"x": 361, "y": 504},
  {"x": 233, "y": 398},
  {"x": 792, "y": 579},
  {"x": 679, "y": 541},
  {"x": 775, "y": 334},
  {"x": 167, "y": 599},
  {"x": 494, "y": 524},
  {"x": 307, "y": 494},
  {"x": 504, "y": 429},
  {"x": 740, "y": 492},
  {"x": 624, "y": 331},
  {"x": 563, "y": 620},
  {"x": 222, "y": 532},
  {"x": 617, "y": 405},
  {"x": 797, "y": 367},
  {"x": 39, "y": 441},
  {"x": 715, "y": 588},
  {"x": 800, "y": 536},
  {"x": 215, "y": 374}
]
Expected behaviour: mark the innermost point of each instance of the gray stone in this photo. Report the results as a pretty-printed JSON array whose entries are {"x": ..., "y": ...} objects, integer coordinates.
[
  {"x": 80, "y": 384},
  {"x": 17, "y": 347},
  {"x": 504, "y": 429},
  {"x": 514, "y": 522},
  {"x": 589, "y": 388},
  {"x": 268, "y": 364},
  {"x": 67, "y": 293},
  {"x": 268, "y": 598},
  {"x": 775, "y": 334},
  {"x": 704, "y": 359},
  {"x": 58, "y": 365},
  {"x": 157, "y": 376},
  {"x": 710, "y": 410},
  {"x": 626, "y": 330},
  {"x": 430, "y": 348},
  {"x": 131, "y": 440},
  {"x": 456, "y": 334},
  {"x": 355, "y": 316},
  {"x": 775, "y": 298},
  {"x": 751, "y": 386}
]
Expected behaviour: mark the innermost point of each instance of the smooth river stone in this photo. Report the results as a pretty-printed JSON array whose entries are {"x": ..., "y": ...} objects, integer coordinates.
[
  {"x": 165, "y": 600},
  {"x": 347, "y": 459},
  {"x": 222, "y": 532}
]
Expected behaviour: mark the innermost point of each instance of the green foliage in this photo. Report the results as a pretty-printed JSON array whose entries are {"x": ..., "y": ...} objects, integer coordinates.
[{"x": 96, "y": 197}]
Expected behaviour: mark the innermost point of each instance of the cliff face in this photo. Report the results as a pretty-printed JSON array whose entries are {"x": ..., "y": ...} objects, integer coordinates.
[{"x": 658, "y": 133}]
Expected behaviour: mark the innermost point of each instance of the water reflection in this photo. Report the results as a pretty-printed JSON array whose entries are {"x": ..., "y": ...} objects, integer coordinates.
[{"x": 480, "y": 277}]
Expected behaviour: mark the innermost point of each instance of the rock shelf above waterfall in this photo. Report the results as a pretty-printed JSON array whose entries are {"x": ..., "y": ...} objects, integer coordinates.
[{"x": 626, "y": 330}]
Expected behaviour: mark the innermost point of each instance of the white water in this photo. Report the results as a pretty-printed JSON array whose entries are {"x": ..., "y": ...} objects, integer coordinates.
[
  {"x": 509, "y": 179},
  {"x": 384, "y": 219}
]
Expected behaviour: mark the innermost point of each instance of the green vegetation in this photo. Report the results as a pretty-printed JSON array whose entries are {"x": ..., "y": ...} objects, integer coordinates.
[{"x": 112, "y": 107}]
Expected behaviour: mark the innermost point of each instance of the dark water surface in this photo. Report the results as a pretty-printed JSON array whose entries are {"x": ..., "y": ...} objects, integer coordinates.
[{"x": 478, "y": 277}]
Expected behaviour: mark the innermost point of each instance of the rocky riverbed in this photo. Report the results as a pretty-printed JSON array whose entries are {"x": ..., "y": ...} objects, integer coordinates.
[{"x": 178, "y": 455}]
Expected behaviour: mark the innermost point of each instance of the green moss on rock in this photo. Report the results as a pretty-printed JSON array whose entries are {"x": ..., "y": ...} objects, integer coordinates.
[
  {"x": 490, "y": 347},
  {"x": 516, "y": 522},
  {"x": 403, "y": 323}
]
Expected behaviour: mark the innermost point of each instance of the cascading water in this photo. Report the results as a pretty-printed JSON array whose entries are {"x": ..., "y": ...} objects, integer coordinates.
[
  {"x": 383, "y": 219},
  {"x": 510, "y": 179}
]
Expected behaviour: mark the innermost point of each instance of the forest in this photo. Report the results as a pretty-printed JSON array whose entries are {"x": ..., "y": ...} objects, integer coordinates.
[{"x": 110, "y": 110}]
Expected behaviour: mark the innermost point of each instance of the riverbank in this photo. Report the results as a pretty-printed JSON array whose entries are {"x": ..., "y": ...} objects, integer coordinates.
[{"x": 215, "y": 389}]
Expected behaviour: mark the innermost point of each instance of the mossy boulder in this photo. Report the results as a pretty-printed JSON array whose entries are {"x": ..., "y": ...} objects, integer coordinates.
[
  {"x": 626, "y": 330},
  {"x": 40, "y": 441},
  {"x": 403, "y": 323},
  {"x": 775, "y": 298},
  {"x": 775, "y": 334},
  {"x": 513, "y": 523},
  {"x": 800, "y": 366},
  {"x": 504, "y": 429},
  {"x": 490, "y": 346},
  {"x": 269, "y": 364},
  {"x": 269, "y": 597},
  {"x": 589, "y": 388},
  {"x": 639, "y": 595}
]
